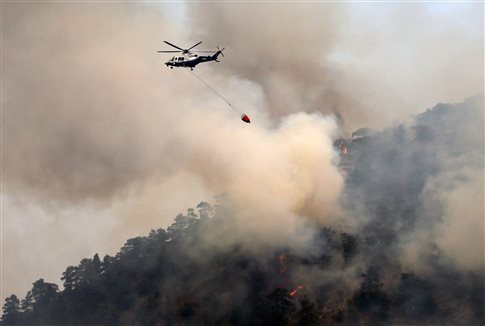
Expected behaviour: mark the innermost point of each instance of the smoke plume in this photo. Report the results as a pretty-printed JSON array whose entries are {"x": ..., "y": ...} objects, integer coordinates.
[
  {"x": 369, "y": 65},
  {"x": 101, "y": 142}
]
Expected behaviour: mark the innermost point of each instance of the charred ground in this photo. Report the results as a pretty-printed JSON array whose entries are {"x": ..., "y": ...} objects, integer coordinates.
[{"x": 396, "y": 189}]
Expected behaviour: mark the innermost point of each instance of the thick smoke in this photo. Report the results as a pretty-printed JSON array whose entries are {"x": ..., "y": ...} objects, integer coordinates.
[
  {"x": 283, "y": 48},
  {"x": 370, "y": 65},
  {"x": 77, "y": 86},
  {"x": 270, "y": 176},
  {"x": 452, "y": 197},
  {"x": 418, "y": 190},
  {"x": 208, "y": 258},
  {"x": 101, "y": 125},
  {"x": 75, "y": 79},
  {"x": 94, "y": 123}
]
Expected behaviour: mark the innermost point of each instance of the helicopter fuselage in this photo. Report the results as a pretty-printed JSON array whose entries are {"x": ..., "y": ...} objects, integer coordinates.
[{"x": 191, "y": 60}]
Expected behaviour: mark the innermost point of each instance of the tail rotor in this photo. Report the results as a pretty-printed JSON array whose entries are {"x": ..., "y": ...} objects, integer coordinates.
[{"x": 220, "y": 50}]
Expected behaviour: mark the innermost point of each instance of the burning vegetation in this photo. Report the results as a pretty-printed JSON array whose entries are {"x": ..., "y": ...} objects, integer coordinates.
[
  {"x": 295, "y": 291},
  {"x": 391, "y": 265}
]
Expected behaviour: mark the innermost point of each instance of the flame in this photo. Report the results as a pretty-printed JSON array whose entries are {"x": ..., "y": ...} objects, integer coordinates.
[
  {"x": 293, "y": 293},
  {"x": 343, "y": 149}
]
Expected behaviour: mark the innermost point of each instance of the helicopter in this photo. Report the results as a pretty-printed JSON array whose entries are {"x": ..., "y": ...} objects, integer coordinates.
[{"x": 189, "y": 59}]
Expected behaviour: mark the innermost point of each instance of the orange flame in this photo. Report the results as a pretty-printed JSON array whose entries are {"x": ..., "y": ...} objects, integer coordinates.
[
  {"x": 343, "y": 149},
  {"x": 293, "y": 293}
]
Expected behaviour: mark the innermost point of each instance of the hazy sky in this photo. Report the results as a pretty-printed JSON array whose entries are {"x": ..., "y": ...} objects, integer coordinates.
[{"x": 101, "y": 142}]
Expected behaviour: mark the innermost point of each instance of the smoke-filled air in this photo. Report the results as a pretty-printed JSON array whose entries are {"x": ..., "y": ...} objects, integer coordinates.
[{"x": 133, "y": 194}]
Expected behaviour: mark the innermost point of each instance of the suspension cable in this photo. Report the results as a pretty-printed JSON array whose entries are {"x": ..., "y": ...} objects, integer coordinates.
[{"x": 212, "y": 89}]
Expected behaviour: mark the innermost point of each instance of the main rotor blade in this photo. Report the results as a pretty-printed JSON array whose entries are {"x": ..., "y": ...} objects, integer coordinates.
[
  {"x": 168, "y": 51},
  {"x": 207, "y": 51},
  {"x": 174, "y": 46},
  {"x": 193, "y": 46}
]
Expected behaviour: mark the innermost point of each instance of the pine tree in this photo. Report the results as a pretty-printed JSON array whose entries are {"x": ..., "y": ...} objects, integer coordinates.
[{"x": 11, "y": 311}]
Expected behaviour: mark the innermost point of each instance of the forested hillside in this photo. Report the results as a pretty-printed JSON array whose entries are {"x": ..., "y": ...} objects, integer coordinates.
[{"x": 393, "y": 262}]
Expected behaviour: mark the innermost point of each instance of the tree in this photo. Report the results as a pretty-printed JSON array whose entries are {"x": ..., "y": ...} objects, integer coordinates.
[
  {"x": 71, "y": 278},
  {"x": 349, "y": 246},
  {"x": 39, "y": 302},
  {"x": 205, "y": 210},
  {"x": 281, "y": 308},
  {"x": 27, "y": 303},
  {"x": 181, "y": 225},
  {"x": 307, "y": 315},
  {"x": 415, "y": 297},
  {"x": 89, "y": 271},
  {"x": 133, "y": 247},
  {"x": 371, "y": 298},
  {"x": 11, "y": 311},
  {"x": 158, "y": 236},
  {"x": 43, "y": 293}
]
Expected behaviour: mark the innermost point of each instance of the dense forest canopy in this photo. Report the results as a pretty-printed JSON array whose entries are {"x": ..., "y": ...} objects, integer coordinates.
[{"x": 399, "y": 257}]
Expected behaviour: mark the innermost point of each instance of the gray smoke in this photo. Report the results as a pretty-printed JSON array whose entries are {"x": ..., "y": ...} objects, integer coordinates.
[
  {"x": 369, "y": 65},
  {"x": 417, "y": 192},
  {"x": 101, "y": 141}
]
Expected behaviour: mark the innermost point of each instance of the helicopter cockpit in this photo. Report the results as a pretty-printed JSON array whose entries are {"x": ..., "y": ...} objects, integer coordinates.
[{"x": 176, "y": 59}]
